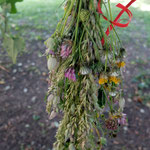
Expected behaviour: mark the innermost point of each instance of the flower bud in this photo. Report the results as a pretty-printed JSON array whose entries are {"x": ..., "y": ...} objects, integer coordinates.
[{"x": 52, "y": 63}]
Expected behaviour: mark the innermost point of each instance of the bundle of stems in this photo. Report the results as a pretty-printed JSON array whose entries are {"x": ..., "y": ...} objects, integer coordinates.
[{"x": 85, "y": 77}]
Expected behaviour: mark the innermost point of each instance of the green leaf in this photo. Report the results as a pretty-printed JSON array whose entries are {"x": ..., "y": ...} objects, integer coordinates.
[
  {"x": 36, "y": 117},
  {"x": 13, "y": 46},
  {"x": 143, "y": 85},
  {"x": 101, "y": 98},
  {"x": 103, "y": 141},
  {"x": 13, "y": 5},
  {"x": 9, "y": 45}
]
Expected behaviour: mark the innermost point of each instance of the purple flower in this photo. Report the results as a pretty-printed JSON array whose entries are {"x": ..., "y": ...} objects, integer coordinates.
[
  {"x": 51, "y": 52},
  {"x": 123, "y": 120},
  {"x": 70, "y": 74},
  {"x": 65, "y": 51}
]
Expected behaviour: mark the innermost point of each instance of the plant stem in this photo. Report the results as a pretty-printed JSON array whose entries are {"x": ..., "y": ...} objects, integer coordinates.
[
  {"x": 77, "y": 25},
  {"x": 68, "y": 13}
]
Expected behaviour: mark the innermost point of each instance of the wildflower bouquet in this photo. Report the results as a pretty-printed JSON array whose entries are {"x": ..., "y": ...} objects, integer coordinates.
[{"x": 85, "y": 65}]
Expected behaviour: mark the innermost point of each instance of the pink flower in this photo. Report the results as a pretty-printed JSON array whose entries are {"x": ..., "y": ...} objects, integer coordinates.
[
  {"x": 70, "y": 74},
  {"x": 65, "y": 51},
  {"x": 123, "y": 120}
]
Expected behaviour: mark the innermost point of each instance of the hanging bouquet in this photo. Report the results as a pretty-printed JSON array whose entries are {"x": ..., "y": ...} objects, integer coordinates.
[{"x": 85, "y": 65}]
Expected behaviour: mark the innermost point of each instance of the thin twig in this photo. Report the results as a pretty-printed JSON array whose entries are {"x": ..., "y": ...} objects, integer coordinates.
[
  {"x": 3, "y": 68},
  {"x": 98, "y": 136}
]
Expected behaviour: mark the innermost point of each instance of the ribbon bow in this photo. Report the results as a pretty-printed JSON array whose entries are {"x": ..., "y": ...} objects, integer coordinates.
[{"x": 116, "y": 21}]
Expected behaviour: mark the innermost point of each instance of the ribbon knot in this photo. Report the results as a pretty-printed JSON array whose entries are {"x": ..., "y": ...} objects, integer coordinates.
[{"x": 116, "y": 22}]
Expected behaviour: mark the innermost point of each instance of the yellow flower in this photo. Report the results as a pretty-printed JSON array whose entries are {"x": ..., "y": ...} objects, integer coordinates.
[
  {"x": 116, "y": 116},
  {"x": 103, "y": 79},
  {"x": 114, "y": 79},
  {"x": 97, "y": 115},
  {"x": 121, "y": 64}
]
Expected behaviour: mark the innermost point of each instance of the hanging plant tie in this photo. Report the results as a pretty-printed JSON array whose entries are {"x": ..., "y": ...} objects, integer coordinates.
[{"x": 116, "y": 21}]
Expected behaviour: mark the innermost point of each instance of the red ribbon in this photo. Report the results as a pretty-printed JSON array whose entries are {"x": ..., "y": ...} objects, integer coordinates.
[{"x": 116, "y": 21}]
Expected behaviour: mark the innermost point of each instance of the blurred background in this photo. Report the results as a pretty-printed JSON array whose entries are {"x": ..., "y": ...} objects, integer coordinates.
[{"x": 24, "y": 124}]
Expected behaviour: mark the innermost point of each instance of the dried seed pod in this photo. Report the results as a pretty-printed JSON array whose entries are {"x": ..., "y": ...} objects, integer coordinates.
[
  {"x": 50, "y": 98},
  {"x": 84, "y": 71},
  {"x": 111, "y": 124},
  {"x": 72, "y": 147},
  {"x": 52, "y": 63},
  {"x": 49, "y": 106},
  {"x": 56, "y": 100},
  {"x": 84, "y": 15},
  {"x": 50, "y": 43},
  {"x": 52, "y": 115},
  {"x": 67, "y": 134},
  {"x": 73, "y": 108}
]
